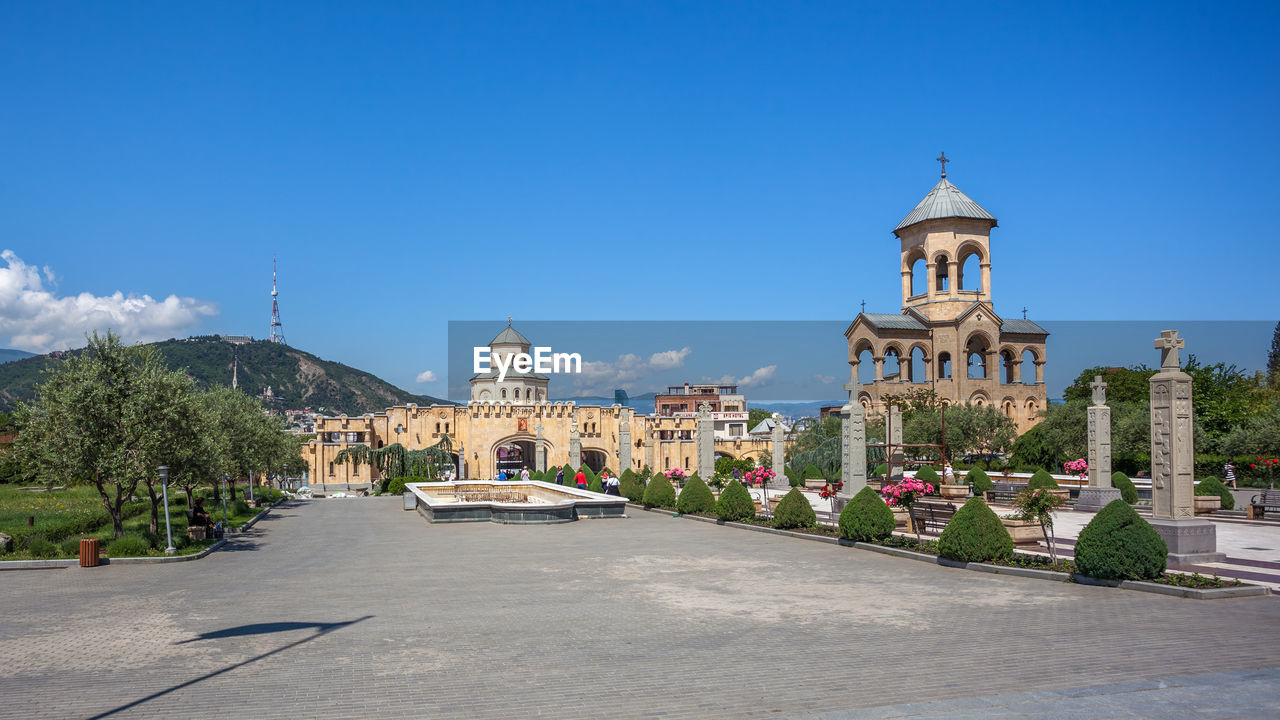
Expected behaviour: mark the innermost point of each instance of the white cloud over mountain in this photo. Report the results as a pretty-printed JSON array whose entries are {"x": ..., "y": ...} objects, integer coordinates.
[{"x": 34, "y": 318}]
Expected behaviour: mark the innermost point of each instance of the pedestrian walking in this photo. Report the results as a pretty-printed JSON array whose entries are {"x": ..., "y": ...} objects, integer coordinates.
[
  {"x": 560, "y": 476},
  {"x": 613, "y": 486},
  {"x": 581, "y": 480},
  {"x": 1229, "y": 473},
  {"x": 524, "y": 474}
]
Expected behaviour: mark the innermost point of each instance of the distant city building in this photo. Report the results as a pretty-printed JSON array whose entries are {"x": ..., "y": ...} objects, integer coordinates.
[
  {"x": 236, "y": 339},
  {"x": 620, "y": 397},
  {"x": 728, "y": 406}
]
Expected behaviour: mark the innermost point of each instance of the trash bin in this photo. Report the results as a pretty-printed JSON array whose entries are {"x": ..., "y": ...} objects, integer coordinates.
[
  {"x": 410, "y": 501},
  {"x": 88, "y": 552}
]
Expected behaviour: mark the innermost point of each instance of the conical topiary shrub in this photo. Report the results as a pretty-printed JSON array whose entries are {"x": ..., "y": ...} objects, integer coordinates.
[
  {"x": 659, "y": 493},
  {"x": 1119, "y": 545},
  {"x": 811, "y": 472},
  {"x": 975, "y": 534},
  {"x": 795, "y": 477},
  {"x": 980, "y": 481},
  {"x": 695, "y": 497},
  {"x": 1214, "y": 486},
  {"x": 1042, "y": 479},
  {"x": 866, "y": 517},
  {"x": 735, "y": 503},
  {"x": 630, "y": 486},
  {"x": 794, "y": 511},
  {"x": 1121, "y": 482},
  {"x": 569, "y": 472},
  {"x": 880, "y": 470}
]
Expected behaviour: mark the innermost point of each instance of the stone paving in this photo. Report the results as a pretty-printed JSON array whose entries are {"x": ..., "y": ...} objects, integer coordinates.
[{"x": 353, "y": 608}]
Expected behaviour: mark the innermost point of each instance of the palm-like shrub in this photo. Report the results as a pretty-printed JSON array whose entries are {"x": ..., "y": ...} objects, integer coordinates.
[
  {"x": 1042, "y": 479},
  {"x": 980, "y": 481},
  {"x": 659, "y": 493},
  {"x": 975, "y": 534},
  {"x": 1122, "y": 482},
  {"x": 1214, "y": 486},
  {"x": 1117, "y": 544},
  {"x": 794, "y": 511},
  {"x": 695, "y": 497},
  {"x": 866, "y": 517},
  {"x": 735, "y": 503}
]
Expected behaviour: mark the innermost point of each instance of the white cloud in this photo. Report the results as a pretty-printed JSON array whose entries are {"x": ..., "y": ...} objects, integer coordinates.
[
  {"x": 760, "y": 377},
  {"x": 668, "y": 359},
  {"x": 601, "y": 376},
  {"x": 825, "y": 379},
  {"x": 34, "y": 318},
  {"x": 426, "y": 376}
]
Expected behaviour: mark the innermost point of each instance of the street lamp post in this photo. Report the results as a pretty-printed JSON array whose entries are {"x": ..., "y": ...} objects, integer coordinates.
[
  {"x": 164, "y": 491},
  {"x": 286, "y": 476},
  {"x": 224, "y": 504},
  {"x": 251, "y": 488}
]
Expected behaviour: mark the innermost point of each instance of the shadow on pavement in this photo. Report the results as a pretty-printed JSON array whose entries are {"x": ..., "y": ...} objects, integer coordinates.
[
  {"x": 264, "y": 628},
  {"x": 321, "y": 629}
]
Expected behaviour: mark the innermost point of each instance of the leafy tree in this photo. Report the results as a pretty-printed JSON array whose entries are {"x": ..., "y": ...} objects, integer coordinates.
[
  {"x": 1273, "y": 359},
  {"x": 755, "y": 416},
  {"x": 94, "y": 421}
]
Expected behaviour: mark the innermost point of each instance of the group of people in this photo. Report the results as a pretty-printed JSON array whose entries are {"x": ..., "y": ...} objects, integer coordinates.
[{"x": 612, "y": 485}]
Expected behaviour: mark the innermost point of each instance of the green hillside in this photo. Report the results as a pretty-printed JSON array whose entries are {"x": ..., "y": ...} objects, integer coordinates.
[
  {"x": 299, "y": 379},
  {"x": 9, "y": 355}
]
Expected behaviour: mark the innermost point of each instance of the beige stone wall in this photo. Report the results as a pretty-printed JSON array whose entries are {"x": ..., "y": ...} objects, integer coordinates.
[{"x": 479, "y": 429}]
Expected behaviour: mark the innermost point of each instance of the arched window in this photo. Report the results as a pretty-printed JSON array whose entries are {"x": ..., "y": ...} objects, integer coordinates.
[
  {"x": 1006, "y": 360},
  {"x": 944, "y": 366},
  {"x": 504, "y": 393},
  {"x": 917, "y": 366},
  {"x": 976, "y": 357},
  {"x": 971, "y": 272},
  {"x": 866, "y": 367},
  {"x": 1028, "y": 367},
  {"x": 330, "y": 468},
  {"x": 919, "y": 277},
  {"x": 892, "y": 366},
  {"x": 942, "y": 280}
]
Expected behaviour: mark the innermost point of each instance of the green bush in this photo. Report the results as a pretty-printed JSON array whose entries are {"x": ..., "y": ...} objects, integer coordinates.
[
  {"x": 975, "y": 534},
  {"x": 794, "y": 511},
  {"x": 880, "y": 471},
  {"x": 811, "y": 472},
  {"x": 866, "y": 517},
  {"x": 70, "y": 546},
  {"x": 979, "y": 480},
  {"x": 735, "y": 503},
  {"x": 695, "y": 497},
  {"x": 396, "y": 486},
  {"x": 1121, "y": 482},
  {"x": 1119, "y": 545},
  {"x": 594, "y": 484},
  {"x": 239, "y": 507},
  {"x": 659, "y": 493},
  {"x": 929, "y": 475},
  {"x": 128, "y": 546},
  {"x": 1214, "y": 486},
  {"x": 630, "y": 486},
  {"x": 39, "y": 546},
  {"x": 1041, "y": 479}
]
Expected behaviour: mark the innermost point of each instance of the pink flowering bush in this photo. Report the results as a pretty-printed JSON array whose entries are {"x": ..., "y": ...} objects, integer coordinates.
[
  {"x": 758, "y": 476},
  {"x": 905, "y": 493},
  {"x": 675, "y": 474},
  {"x": 1079, "y": 467}
]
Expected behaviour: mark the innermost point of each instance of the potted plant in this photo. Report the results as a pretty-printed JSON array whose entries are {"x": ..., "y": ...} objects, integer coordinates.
[
  {"x": 1023, "y": 532},
  {"x": 904, "y": 495},
  {"x": 1038, "y": 504},
  {"x": 828, "y": 492}
]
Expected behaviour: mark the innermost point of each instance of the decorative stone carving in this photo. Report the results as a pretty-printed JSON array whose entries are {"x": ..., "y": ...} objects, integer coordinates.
[
  {"x": 624, "y": 439},
  {"x": 1100, "y": 492},
  {"x": 777, "y": 443},
  {"x": 853, "y": 444},
  {"x": 540, "y": 461},
  {"x": 706, "y": 442},
  {"x": 575, "y": 446}
]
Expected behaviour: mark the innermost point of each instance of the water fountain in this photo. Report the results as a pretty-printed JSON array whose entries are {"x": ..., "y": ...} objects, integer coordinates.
[{"x": 517, "y": 502}]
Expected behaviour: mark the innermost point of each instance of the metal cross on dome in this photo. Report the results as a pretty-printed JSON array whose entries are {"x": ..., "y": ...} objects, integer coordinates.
[{"x": 942, "y": 158}]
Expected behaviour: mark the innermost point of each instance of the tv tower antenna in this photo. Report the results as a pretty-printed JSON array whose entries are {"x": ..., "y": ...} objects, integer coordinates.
[{"x": 277, "y": 328}]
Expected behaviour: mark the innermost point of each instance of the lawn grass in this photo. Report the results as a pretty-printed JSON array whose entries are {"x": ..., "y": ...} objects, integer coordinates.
[{"x": 64, "y": 516}]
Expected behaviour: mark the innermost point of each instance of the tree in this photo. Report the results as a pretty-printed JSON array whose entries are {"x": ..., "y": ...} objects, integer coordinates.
[
  {"x": 94, "y": 420},
  {"x": 755, "y": 416},
  {"x": 1273, "y": 360}
]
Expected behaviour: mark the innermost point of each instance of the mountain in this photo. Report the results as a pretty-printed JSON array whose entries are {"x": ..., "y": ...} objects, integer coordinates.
[
  {"x": 9, "y": 355},
  {"x": 297, "y": 379}
]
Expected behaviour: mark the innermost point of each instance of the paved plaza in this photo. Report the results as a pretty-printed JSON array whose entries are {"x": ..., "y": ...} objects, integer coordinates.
[{"x": 352, "y": 607}]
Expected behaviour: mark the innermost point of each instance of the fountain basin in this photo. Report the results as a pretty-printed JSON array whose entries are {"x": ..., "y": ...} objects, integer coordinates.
[{"x": 517, "y": 502}]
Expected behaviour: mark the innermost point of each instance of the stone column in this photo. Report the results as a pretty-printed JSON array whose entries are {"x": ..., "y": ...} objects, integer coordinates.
[
  {"x": 953, "y": 274},
  {"x": 777, "y": 443},
  {"x": 1190, "y": 540},
  {"x": 896, "y": 457},
  {"x": 853, "y": 446},
  {"x": 706, "y": 443},
  {"x": 879, "y": 361},
  {"x": 575, "y": 446},
  {"x": 1099, "y": 493},
  {"x": 650, "y": 442},
  {"x": 624, "y": 440},
  {"x": 540, "y": 454}
]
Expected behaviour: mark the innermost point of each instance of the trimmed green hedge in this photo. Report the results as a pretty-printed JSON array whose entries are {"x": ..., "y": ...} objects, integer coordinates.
[
  {"x": 1041, "y": 479},
  {"x": 929, "y": 475},
  {"x": 975, "y": 534},
  {"x": 735, "y": 503},
  {"x": 1117, "y": 544},
  {"x": 630, "y": 486},
  {"x": 811, "y": 472},
  {"x": 1214, "y": 486},
  {"x": 128, "y": 546},
  {"x": 695, "y": 497},
  {"x": 979, "y": 480},
  {"x": 659, "y": 493},
  {"x": 880, "y": 470},
  {"x": 794, "y": 511},
  {"x": 866, "y": 517},
  {"x": 1121, "y": 482}
]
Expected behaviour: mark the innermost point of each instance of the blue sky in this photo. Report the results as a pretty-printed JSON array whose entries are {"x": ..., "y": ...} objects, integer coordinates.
[{"x": 416, "y": 163}]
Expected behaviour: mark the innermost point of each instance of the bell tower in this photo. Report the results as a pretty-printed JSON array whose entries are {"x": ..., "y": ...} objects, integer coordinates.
[{"x": 943, "y": 231}]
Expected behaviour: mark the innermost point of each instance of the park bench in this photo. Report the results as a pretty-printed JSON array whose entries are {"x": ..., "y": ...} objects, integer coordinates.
[
  {"x": 1262, "y": 502},
  {"x": 1003, "y": 493},
  {"x": 931, "y": 516}
]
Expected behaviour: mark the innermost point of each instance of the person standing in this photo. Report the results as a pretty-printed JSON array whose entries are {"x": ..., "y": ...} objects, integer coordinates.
[
  {"x": 613, "y": 486},
  {"x": 560, "y": 475},
  {"x": 502, "y": 476},
  {"x": 1229, "y": 473},
  {"x": 580, "y": 479},
  {"x": 948, "y": 475},
  {"x": 524, "y": 474},
  {"x": 737, "y": 475}
]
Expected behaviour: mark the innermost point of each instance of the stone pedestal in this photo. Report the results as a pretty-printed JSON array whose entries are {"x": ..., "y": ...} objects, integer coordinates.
[
  {"x": 575, "y": 447},
  {"x": 1190, "y": 542},
  {"x": 777, "y": 442},
  {"x": 624, "y": 440},
  {"x": 1093, "y": 499}
]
